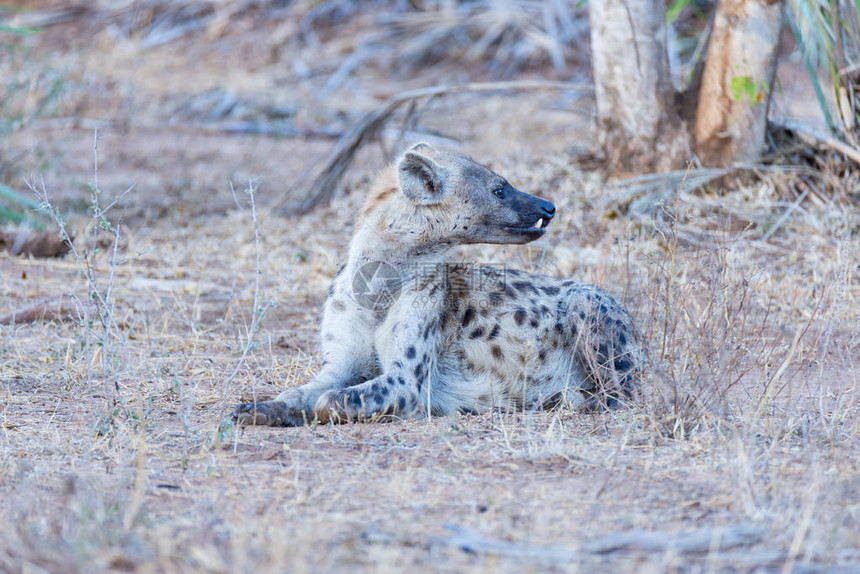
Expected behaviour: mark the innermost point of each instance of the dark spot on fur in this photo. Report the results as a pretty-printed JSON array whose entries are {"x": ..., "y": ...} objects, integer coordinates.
[
  {"x": 550, "y": 290},
  {"x": 419, "y": 373},
  {"x": 497, "y": 352},
  {"x": 520, "y": 316},
  {"x": 328, "y": 337},
  {"x": 339, "y": 305},
  {"x": 525, "y": 287},
  {"x": 398, "y": 365},
  {"x": 582, "y": 315},
  {"x": 496, "y": 299},
  {"x": 354, "y": 398},
  {"x": 410, "y": 352},
  {"x": 542, "y": 355},
  {"x": 603, "y": 352},
  {"x": 468, "y": 316},
  {"x": 476, "y": 333},
  {"x": 622, "y": 338},
  {"x": 623, "y": 364},
  {"x": 401, "y": 380},
  {"x": 534, "y": 323},
  {"x": 494, "y": 333},
  {"x": 390, "y": 380},
  {"x": 401, "y": 404}
]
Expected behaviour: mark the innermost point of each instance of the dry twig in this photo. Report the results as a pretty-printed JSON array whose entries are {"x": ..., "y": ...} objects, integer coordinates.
[{"x": 848, "y": 151}]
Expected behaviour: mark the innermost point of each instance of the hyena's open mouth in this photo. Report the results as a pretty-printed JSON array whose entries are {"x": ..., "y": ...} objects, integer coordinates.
[{"x": 535, "y": 230}]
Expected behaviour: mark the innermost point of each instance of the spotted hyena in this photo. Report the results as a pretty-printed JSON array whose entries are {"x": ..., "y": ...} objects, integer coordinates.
[{"x": 406, "y": 331}]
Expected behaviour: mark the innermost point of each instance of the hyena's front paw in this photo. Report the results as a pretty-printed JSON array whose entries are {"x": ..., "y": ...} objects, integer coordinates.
[
  {"x": 268, "y": 413},
  {"x": 362, "y": 403}
]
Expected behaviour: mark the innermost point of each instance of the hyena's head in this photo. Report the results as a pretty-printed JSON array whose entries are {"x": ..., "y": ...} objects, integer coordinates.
[{"x": 464, "y": 202}]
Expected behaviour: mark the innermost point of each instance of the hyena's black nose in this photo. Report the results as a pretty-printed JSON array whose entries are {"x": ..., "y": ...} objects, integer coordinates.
[{"x": 547, "y": 209}]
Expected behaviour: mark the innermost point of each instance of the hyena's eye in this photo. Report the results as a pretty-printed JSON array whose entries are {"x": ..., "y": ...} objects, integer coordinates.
[{"x": 499, "y": 192}]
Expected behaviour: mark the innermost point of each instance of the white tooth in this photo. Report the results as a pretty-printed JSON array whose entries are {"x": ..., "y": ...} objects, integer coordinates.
[{"x": 539, "y": 223}]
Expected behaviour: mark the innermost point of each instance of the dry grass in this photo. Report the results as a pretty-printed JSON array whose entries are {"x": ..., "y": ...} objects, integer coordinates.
[
  {"x": 753, "y": 419},
  {"x": 742, "y": 455}
]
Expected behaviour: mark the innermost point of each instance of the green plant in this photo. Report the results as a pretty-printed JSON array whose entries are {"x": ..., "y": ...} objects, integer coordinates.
[
  {"x": 21, "y": 209},
  {"x": 17, "y": 30},
  {"x": 14, "y": 113}
]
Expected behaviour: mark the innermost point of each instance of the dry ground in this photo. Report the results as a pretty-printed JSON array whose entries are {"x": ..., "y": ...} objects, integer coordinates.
[{"x": 112, "y": 457}]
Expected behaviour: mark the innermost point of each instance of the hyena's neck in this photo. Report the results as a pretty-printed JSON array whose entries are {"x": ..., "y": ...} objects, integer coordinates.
[{"x": 372, "y": 245}]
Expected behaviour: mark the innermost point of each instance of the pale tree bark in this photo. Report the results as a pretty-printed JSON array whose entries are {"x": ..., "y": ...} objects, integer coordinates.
[
  {"x": 640, "y": 128},
  {"x": 738, "y": 81}
]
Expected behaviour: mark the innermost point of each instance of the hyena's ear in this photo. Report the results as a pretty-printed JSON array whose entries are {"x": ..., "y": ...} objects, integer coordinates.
[
  {"x": 420, "y": 178},
  {"x": 423, "y": 148}
]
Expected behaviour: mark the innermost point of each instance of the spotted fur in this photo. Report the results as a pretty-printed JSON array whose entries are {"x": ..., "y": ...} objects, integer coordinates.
[{"x": 451, "y": 337}]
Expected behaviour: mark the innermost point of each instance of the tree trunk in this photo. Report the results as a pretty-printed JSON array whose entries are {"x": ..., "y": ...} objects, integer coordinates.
[
  {"x": 640, "y": 128},
  {"x": 738, "y": 81}
]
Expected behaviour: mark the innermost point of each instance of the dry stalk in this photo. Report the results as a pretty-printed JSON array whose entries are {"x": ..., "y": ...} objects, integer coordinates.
[
  {"x": 260, "y": 309},
  {"x": 672, "y": 245},
  {"x": 102, "y": 296}
]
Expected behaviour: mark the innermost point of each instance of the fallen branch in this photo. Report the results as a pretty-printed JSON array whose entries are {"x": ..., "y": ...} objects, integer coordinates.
[
  {"x": 704, "y": 540},
  {"x": 225, "y": 127},
  {"x": 475, "y": 543},
  {"x": 54, "y": 309},
  {"x": 44, "y": 18},
  {"x": 848, "y": 151},
  {"x": 369, "y": 126},
  {"x": 642, "y": 193},
  {"x": 258, "y": 128},
  {"x": 41, "y": 244},
  {"x": 701, "y": 541}
]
